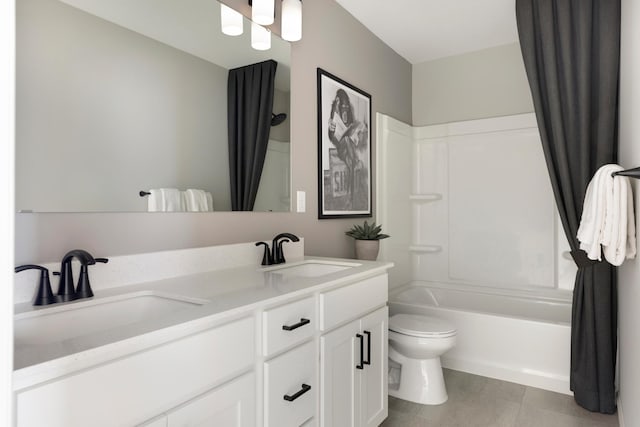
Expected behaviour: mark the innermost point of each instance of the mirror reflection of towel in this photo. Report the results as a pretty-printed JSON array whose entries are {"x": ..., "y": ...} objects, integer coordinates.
[
  {"x": 165, "y": 200},
  {"x": 198, "y": 200}
]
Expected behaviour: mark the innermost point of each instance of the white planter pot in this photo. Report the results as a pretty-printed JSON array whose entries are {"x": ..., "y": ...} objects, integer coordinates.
[{"x": 367, "y": 249}]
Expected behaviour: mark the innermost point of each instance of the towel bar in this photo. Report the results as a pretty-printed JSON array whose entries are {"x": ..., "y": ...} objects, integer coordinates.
[{"x": 632, "y": 173}]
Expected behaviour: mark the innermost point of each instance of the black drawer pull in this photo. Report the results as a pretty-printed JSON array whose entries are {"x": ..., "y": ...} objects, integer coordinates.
[
  {"x": 361, "y": 338},
  {"x": 305, "y": 388},
  {"x": 368, "y": 361},
  {"x": 302, "y": 322}
]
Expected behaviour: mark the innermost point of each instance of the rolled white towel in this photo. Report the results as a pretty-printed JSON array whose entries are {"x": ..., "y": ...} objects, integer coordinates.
[
  {"x": 154, "y": 201},
  {"x": 196, "y": 200},
  {"x": 165, "y": 200},
  {"x": 209, "y": 202}
]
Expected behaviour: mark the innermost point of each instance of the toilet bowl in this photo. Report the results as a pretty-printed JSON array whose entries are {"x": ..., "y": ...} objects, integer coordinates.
[{"x": 416, "y": 343}]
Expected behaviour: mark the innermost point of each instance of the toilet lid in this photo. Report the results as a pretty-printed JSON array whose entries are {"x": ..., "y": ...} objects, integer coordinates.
[{"x": 420, "y": 326}]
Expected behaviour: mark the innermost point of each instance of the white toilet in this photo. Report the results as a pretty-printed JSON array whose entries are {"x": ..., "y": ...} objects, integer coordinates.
[{"x": 416, "y": 343}]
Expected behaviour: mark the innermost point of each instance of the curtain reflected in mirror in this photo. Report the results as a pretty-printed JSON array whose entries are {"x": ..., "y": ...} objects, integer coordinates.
[
  {"x": 110, "y": 104},
  {"x": 249, "y": 115}
]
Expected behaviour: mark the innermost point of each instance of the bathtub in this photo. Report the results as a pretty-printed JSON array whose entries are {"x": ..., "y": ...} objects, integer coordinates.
[{"x": 521, "y": 337}]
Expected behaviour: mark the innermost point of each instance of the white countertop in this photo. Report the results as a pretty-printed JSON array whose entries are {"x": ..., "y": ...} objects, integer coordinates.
[{"x": 230, "y": 293}]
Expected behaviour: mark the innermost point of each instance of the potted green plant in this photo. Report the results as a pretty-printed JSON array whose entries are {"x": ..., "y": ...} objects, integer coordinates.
[{"x": 367, "y": 240}]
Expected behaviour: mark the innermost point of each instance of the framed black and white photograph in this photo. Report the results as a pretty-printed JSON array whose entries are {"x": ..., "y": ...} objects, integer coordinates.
[{"x": 344, "y": 149}]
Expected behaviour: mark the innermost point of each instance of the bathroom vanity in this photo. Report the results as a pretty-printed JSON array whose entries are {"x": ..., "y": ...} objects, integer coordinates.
[{"x": 209, "y": 339}]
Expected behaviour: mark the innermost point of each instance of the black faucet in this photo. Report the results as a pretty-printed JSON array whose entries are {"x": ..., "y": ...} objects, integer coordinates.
[
  {"x": 66, "y": 289},
  {"x": 276, "y": 247},
  {"x": 44, "y": 295},
  {"x": 276, "y": 256}
]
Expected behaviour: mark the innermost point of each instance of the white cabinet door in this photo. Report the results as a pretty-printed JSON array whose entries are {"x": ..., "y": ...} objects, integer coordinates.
[
  {"x": 373, "y": 384},
  {"x": 290, "y": 387},
  {"x": 339, "y": 354},
  {"x": 230, "y": 405}
]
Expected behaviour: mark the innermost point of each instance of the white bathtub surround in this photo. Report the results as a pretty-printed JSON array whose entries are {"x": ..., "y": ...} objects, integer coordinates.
[
  {"x": 470, "y": 203},
  {"x": 224, "y": 356},
  {"x": 608, "y": 224},
  {"x": 500, "y": 334}
]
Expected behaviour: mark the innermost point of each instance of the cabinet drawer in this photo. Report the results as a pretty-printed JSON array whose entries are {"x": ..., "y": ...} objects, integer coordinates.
[
  {"x": 287, "y": 375},
  {"x": 232, "y": 404},
  {"x": 288, "y": 325},
  {"x": 133, "y": 389},
  {"x": 349, "y": 302}
]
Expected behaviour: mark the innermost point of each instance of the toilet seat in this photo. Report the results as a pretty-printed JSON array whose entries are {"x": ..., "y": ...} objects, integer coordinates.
[{"x": 421, "y": 326}]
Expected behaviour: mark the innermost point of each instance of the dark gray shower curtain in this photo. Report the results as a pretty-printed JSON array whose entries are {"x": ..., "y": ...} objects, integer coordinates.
[
  {"x": 571, "y": 51},
  {"x": 249, "y": 107}
]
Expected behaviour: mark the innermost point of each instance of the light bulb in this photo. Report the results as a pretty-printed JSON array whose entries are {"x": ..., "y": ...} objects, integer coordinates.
[
  {"x": 292, "y": 20},
  {"x": 262, "y": 11},
  {"x": 231, "y": 21},
  {"x": 260, "y": 37}
]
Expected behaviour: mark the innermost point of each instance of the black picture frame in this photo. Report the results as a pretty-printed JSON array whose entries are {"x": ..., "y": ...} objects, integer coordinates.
[{"x": 344, "y": 149}]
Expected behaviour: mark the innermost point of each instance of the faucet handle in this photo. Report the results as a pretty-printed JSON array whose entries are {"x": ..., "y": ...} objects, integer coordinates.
[
  {"x": 279, "y": 257},
  {"x": 84, "y": 287},
  {"x": 44, "y": 295},
  {"x": 267, "y": 259}
]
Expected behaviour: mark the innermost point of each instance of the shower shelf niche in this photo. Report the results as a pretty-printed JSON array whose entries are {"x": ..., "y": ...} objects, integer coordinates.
[
  {"x": 425, "y": 249},
  {"x": 426, "y": 197}
]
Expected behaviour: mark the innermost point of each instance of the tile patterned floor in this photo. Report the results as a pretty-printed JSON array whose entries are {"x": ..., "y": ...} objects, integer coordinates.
[{"x": 476, "y": 401}]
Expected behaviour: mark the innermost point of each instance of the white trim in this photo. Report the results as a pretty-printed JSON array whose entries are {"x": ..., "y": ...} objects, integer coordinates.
[
  {"x": 493, "y": 124},
  {"x": 620, "y": 413},
  {"x": 7, "y": 150}
]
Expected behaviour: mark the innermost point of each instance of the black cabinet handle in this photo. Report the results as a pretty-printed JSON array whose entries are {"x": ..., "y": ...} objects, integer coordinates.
[
  {"x": 368, "y": 361},
  {"x": 361, "y": 338},
  {"x": 305, "y": 388},
  {"x": 302, "y": 322}
]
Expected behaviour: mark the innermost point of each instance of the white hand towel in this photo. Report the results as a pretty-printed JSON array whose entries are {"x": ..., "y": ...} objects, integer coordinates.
[
  {"x": 196, "y": 200},
  {"x": 209, "y": 202},
  {"x": 154, "y": 201},
  {"x": 165, "y": 200},
  {"x": 594, "y": 211},
  {"x": 608, "y": 224},
  {"x": 622, "y": 244},
  {"x": 173, "y": 200}
]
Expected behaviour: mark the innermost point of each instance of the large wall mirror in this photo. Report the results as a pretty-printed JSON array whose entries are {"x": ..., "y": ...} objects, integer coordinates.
[{"x": 115, "y": 97}]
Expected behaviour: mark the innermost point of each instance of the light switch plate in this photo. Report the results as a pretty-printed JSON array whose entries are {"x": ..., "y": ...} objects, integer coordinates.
[{"x": 301, "y": 199}]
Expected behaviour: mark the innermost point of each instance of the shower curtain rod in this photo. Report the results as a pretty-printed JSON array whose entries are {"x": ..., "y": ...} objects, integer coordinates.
[
  {"x": 144, "y": 193},
  {"x": 632, "y": 173}
]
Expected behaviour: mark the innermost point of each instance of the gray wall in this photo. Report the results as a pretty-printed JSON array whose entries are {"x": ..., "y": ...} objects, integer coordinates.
[
  {"x": 629, "y": 278},
  {"x": 486, "y": 83},
  {"x": 103, "y": 112},
  {"x": 333, "y": 40}
]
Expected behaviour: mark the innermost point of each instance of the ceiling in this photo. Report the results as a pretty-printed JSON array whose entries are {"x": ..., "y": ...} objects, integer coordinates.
[{"x": 422, "y": 30}]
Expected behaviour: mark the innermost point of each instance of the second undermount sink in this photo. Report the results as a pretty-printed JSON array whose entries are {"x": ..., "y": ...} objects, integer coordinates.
[
  {"x": 66, "y": 321},
  {"x": 313, "y": 268}
]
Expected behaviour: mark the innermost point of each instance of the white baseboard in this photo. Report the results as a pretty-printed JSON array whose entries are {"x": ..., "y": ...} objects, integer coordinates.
[{"x": 620, "y": 416}]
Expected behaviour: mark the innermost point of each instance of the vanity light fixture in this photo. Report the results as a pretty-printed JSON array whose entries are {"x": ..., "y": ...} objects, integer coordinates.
[
  {"x": 260, "y": 37},
  {"x": 262, "y": 11},
  {"x": 291, "y": 20},
  {"x": 231, "y": 21},
  {"x": 262, "y": 14}
]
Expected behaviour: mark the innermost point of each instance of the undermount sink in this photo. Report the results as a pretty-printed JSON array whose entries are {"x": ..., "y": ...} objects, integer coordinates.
[
  {"x": 312, "y": 268},
  {"x": 79, "y": 318}
]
